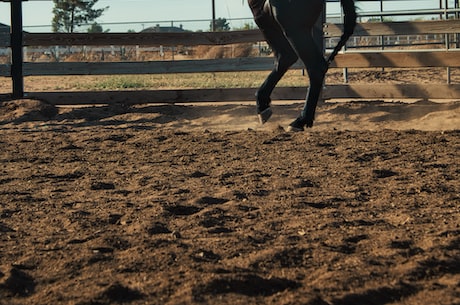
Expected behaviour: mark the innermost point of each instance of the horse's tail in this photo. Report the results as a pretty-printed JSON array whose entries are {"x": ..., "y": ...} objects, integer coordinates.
[{"x": 349, "y": 24}]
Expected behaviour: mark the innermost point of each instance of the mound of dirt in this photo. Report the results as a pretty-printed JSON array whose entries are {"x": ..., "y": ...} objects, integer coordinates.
[{"x": 24, "y": 110}]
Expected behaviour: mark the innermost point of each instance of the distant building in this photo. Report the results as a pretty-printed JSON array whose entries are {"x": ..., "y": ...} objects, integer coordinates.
[
  {"x": 334, "y": 20},
  {"x": 164, "y": 29},
  {"x": 4, "y": 29},
  {"x": 4, "y": 38}
]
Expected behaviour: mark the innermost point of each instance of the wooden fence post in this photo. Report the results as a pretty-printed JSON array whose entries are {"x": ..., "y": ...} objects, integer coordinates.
[{"x": 16, "y": 49}]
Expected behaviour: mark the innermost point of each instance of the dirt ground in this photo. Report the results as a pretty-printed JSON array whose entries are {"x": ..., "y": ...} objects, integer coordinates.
[{"x": 175, "y": 204}]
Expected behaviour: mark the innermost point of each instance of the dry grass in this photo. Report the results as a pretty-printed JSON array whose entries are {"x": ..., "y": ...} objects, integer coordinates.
[{"x": 224, "y": 80}]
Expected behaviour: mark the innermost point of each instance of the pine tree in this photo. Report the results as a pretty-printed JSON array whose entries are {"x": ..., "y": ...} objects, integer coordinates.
[
  {"x": 220, "y": 25},
  {"x": 69, "y": 14}
]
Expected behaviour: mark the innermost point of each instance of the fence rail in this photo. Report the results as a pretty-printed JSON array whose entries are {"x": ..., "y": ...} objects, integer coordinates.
[
  {"x": 375, "y": 59},
  {"x": 450, "y": 26},
  {"x": 351, "y": 91}
]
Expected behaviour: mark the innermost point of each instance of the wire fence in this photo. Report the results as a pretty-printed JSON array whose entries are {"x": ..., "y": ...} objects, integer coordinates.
[{"x": 368, "y": 10}]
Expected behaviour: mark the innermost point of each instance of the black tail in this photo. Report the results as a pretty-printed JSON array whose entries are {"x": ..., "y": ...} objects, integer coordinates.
[{"x": 349, "y": 24}]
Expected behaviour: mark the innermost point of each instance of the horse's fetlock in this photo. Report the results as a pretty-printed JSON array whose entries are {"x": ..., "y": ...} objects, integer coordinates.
[{"x": 263, "y": 101}]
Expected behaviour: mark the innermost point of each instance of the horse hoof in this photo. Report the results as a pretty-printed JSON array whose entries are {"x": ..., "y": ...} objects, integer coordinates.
[
  {"x": 294, "y": 129},
  {"x": 297, "y": 125},
  {"x": 265, "y": 115}
]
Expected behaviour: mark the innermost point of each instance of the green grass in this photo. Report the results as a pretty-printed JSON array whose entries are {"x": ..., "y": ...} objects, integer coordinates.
[
  {"x": 118, "y": 82},
  {"x": 188, "y": 81}
]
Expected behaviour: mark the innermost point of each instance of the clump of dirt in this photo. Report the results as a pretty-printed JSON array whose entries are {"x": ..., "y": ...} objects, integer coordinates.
[{"x": 25, "y": 110}]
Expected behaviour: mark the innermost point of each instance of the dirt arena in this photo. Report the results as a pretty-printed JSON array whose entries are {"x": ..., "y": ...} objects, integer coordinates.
[{"x": 174, "y": 204}]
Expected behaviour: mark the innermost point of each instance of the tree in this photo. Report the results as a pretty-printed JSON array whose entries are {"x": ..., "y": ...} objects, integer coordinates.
[
  {"x": 96, "y": 28},
  {"x": 245, "y": 27},
  {"x": 69, "y": 14},
  {"x": 221, "y": 25}
]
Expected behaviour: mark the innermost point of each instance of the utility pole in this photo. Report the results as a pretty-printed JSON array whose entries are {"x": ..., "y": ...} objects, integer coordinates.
[{"x": 213, "y": 24}]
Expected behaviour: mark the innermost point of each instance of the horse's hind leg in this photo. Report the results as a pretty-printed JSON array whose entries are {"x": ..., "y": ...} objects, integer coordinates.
[
  {"x": 297, "y": 23},
  {"x": 285, "y": 57}
]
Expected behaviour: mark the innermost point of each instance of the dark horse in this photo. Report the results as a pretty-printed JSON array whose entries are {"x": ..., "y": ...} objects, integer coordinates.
[{"x": 287, "y": 25}]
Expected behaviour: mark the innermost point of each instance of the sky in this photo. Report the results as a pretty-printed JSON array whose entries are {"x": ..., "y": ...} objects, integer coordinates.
[{"x": 139, "y": 14}]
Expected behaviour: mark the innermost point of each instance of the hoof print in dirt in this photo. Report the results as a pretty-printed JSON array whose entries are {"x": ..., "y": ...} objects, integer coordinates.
[
  {"x": 206, "y": 256},
  {"x": 383, "y": 295},
  {"x": 16, "y": 283},
  {"x": 306, "y": 183},
  {"x": 407, "y": 246},
  {"x": 219, "y": 230},
  {"x": 344, "y": 248},
  {"x": 318, "y": 205},
  {"x": 98, "y": 186},
  {"x": 246, "y": 208},
  {"x": 211, "y": 200},
  {"x": 116, "y": 294},
  {"x": 279, "y": 138},
  {"x": 356, "y": 239},
  {"x": 102, "y": 250},
  {"x": 101, "y": 254},
  {"x": 401, "y": 244},
  {"x": 114, "y": 218},
  {"x": 240, "y": 195},
  {"x": 289, "y": 258},
  {"x": 158, "y": 228},
  {"x": 6, "y": 229},
  {"x": 117, "y": 243},
  {"x": 248, "y": 285},
  {"x": 198, "y": 174},
  {"x": 260, "y": 193},
  {"x": 383, "y": 173},
  {"x": 181, "y": 210}
]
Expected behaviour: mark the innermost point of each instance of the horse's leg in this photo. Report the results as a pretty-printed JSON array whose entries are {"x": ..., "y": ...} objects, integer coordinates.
[
  {"x": 297, "y": 19},
  {"x": 316, "y": 69},
  {"x": 285, "y": 57}
]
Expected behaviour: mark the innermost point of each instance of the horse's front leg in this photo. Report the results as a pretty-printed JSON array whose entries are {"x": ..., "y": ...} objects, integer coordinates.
[
  {"x": 285, "y": 57},
  {"x": 316, "y": 67},
  {"x": 307, "y": 115}
]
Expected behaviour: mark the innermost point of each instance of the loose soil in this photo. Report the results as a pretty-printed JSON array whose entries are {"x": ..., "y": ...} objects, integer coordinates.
[{"x": 172, "y": 204}]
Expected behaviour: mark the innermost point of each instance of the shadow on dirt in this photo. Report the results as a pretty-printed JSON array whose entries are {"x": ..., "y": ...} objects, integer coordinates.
[
  {"x": 380, "y": 296},
  {"x": 16, "y": 283},
  {"x": 351, "y": 115},
  {"x": 249, "y": 285},
  {"x": 393, "y": 111}
]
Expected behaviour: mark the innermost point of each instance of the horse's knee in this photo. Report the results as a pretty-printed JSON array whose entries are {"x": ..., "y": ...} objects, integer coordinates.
[
  {"x": 289, "y": 57},
  {"x": 284, "y": 53},
  {"x": 285, "y": 60},
  {"x": 317, "y": 72}
]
